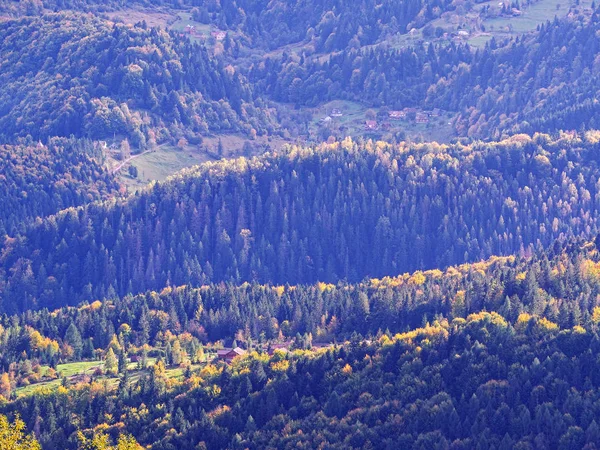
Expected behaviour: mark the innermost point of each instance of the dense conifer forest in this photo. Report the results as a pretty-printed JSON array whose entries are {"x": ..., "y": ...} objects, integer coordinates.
[
  {"x": 544, "y": 82},
  {"x": 381, "y": 289},
  {"x": 341, "y": 211},
  {"x": 73, "y": 74},
  {"x": 40, "y": 180},
  {"x": 522, "y": 374}
]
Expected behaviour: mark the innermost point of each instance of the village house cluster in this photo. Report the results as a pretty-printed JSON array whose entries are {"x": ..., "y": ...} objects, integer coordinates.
[
  {"x": 407, "y": 114},
  {"x": 218, "y": 35},
  {"x": 404, "y": 114}
]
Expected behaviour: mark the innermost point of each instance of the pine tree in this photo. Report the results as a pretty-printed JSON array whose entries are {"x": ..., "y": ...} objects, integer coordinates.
[
  {"x": 110, "y": 361},
  {"x": 122, "y": 362},
  {"x": 73, "y": 338}
]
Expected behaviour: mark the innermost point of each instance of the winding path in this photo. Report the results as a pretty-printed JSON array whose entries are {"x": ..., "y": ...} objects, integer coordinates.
[{"x": 120, "y": 166}]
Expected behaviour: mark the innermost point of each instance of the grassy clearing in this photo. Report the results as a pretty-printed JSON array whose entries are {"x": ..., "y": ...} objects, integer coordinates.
[
  {"x": 77, "y": 368},
  {"x": 73, "y": 370},
  {"x": 533, "y": 15},
  {"x": 183, "y": 20},
  {"x": 352, "y": 123},
  {"x": 160, "y": 164},
  {"x": 169, "y": 159},
  {"x": 34, "y": 388},
  {"x": 134, "y": 15}
]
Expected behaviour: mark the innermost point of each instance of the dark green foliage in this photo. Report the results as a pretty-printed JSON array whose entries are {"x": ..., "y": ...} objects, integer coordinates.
[
  {"x": 564, "y": 291},
  {"x": 73, "y": 338},
  {"x": 73, "y": 74},
  {"x": 544, "y": 82},
  {"x": 467, "y": 383},
  {"x": 315, "y": 214},
  {"x": 391, "y": 78},
  {"x": 335, "y": 24},
  {"x": 39, "y": 180}
]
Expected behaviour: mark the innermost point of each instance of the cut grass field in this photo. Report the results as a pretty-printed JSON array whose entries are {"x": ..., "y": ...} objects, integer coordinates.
[
  {"x": 161, "y": 163},
  {"x": 167, "y": 159},
  {"x": 532, "y": 16},
  {"x": 75, "y": 369},
  {"x": 134, "y": 15}
]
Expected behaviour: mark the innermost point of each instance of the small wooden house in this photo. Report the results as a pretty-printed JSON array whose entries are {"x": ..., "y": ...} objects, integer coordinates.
[
  {"x": 422, "y": 118},
  {"x": 219, "y": 35},
  {"x": 229, "y": 354},
  {"x": 370, "y": 125},
  {"x": 397, "y": 115}
]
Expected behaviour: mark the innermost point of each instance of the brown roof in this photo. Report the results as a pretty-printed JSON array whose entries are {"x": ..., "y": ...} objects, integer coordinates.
[{"x": 231, "y": 352}]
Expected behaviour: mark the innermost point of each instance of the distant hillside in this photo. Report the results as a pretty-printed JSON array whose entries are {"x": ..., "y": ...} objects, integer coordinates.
[
  {"x": 336, "y": 212},
  {"x": 544, "y": 82},
  {"x": 73, "y": 74},
  {"x": 36, "y": 7},
  {"x": 378, "y": 77},
  {"x": 334, "y": 24},
  {"x": 37, "y": 181}
]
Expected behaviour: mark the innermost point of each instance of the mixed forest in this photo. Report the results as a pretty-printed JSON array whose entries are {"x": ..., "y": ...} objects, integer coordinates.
[{"x": 369, "y": 291}]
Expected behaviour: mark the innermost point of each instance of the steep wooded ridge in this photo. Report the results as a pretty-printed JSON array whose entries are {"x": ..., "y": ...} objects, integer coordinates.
[
  {"x": 560, "y": 284},
  {"x": 392, "y": 78},
  {"x": 544, "y": 82},
  {"x": 341, "y": 211},
  {"x": 522, "y": 374},
  {"x": 335, "y": 24},
  {"x": 39, "y": 180},
  {"x": 74, "y": 74},
  {"x": 419, "y": 296}
]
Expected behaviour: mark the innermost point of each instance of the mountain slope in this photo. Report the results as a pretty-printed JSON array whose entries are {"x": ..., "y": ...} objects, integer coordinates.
[
  {"x": 544, "y": 82},
  {"x": 525, "y": 372},
  {"x": 336, "y": 212},
  {"x": 37, "y": 181},
  {"x": 73, "y": 74}
]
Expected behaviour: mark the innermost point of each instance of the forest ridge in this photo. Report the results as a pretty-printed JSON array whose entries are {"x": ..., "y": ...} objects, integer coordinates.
[{"x": 243, "y": 224}]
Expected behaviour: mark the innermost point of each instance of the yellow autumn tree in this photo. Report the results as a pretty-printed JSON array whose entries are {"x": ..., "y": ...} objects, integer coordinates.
[
  {"x": 5, "y": 387},
  {"x": 110, "y": 362},
  {"x": 101, "y": 441},
  {"x": 14, "y": 437}
]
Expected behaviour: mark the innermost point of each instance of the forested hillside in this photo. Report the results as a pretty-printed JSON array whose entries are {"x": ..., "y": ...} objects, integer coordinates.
[
  {"x": 334, "y": 24},
  {"x": 392, "y": 78},
  {"x": 341, "y": 211},
  {"x": 39, "y": 180},
  {"x": 560, "y": 284},
  {"x": 376, "y": 290},
  {"x": 73, "y": 74},
  {"x": 544, "y": 82},
  {"x": 523, "y": 374}
]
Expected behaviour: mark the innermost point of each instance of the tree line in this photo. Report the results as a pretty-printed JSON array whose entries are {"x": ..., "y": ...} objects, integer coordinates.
[
  {"x": 40, "y": 180},
  {"x": 73, "y": 74},
  {"x": 469, "y": 382},
  {"x": 328, "y": 213}
]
